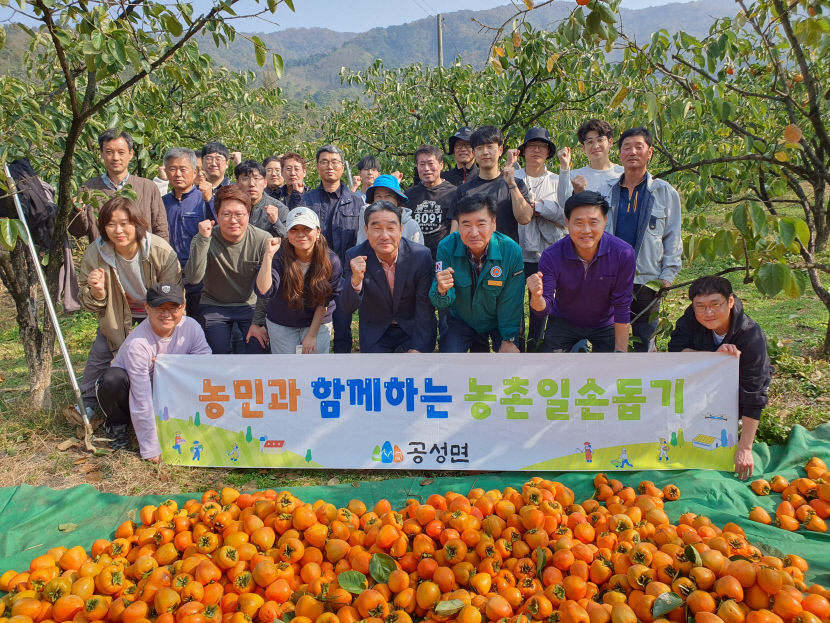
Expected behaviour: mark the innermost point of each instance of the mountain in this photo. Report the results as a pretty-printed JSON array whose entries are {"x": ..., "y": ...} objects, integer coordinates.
[{"x": 313, "y": 56}]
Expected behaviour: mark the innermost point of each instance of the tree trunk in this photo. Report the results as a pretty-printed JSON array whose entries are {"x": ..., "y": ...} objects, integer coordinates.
[{"x": 19, "y": 275}]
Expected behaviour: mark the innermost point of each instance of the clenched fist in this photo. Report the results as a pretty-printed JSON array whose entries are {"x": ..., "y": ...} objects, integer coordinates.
[
  {"x": 564, "y": 156},
  {"x": 271, "y": 247},
  {"x": 207, "y": 189},
  {"x": 273, "y": 213},
  {"x": 534, "y": 284},
  {"x": 358, "y": 266},
  {"x": 579, "y": 183},
  {"x": 97, "y": 282},
  {"x": 206, "y": 228},
  {"x": 445, "y": 280}
]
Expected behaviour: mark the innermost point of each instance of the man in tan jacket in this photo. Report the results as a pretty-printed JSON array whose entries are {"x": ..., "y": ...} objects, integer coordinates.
[{"x": 117, "y": 152}]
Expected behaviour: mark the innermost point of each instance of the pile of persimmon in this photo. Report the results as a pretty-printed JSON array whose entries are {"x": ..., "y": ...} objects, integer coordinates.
[
  {"x": 523, "y": 555},
  {"x": 804, "y": 502}
]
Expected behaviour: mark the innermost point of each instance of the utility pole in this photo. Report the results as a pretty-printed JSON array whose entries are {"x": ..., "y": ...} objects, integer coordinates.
[{"x": 440, "y": 42}]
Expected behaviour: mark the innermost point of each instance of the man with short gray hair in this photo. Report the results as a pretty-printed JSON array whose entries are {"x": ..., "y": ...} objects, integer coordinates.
[
  {"x": 117, "y": 153},
  {"x": 338, "y": 209},
  {"x": 186, "y": 208}
]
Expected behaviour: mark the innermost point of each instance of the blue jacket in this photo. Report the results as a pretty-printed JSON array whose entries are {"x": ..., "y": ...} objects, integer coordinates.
[
  {"x": 409, "y": 305},
  {"x": 341, "y": 225}
]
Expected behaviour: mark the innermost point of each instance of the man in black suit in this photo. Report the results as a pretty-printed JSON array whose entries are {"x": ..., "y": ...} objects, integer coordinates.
[{"x": 388, "y": 279}]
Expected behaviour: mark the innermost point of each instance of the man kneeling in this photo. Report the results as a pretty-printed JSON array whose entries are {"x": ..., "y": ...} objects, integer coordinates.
[
  {"x": 715, "y": 321},
  {"x": 125, "y": 390}
]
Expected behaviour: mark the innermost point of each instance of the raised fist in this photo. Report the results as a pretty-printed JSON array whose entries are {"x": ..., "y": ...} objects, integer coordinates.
[
  {"x": 534, "y": 284},
  {"x": 358, "y": 265},
  {"x": 579, "y": 183},
  {"x": 445, "y": 280},
  {"x": 236, "y": 157},
  {"x": 271, "y": 247},
  {"x": 273, "y": 213},
  {"x": 97, "y": 282},
  {"x": 206, "y": 228},
  {"x": 564, "y": 156},
  {"x": 207, "y": 189}
]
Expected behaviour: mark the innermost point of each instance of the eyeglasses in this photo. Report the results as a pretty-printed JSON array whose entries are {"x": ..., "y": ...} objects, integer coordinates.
[
  {"x": 216, "y": 158},
  {"x": 590, "y": 142},
  {"x": 234, "y": 216},
  {"x": 244, "y": 179},
  {"x": 329, "y": 163},
  {"x": 273, "y": 170},
  {"x": 713, "y": 308}
]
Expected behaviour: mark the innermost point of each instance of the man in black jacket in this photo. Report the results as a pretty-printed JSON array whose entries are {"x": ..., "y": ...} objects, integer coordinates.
[{"x": 716, "y": 322}]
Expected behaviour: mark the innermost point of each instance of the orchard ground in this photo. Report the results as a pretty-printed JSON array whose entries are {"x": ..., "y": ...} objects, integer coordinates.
[{"x": 29, "y": 454}]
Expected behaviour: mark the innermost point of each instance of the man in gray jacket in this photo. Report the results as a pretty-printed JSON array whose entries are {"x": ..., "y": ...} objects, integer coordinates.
[
  {"x": 268, "y": 213},
  {"x": 645, "y": 212}
]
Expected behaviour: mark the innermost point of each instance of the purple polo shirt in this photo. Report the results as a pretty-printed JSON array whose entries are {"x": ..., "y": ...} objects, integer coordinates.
[{"x": 596, "y": 294}]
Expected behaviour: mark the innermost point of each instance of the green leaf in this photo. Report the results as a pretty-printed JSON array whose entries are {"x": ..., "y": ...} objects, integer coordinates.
[
  {"x": 260, "y": 50},
  {"x": 794, "y": 286},
  {"x": 665, "y": 602},
  {"x": 380, "y": 566},
  {"x": 692, "y": 555},
  {"x": 278, "y": 65},
  {"x": 740, "y": 218},
  {"x": 68, "y": 527},
  {"x": 786, "y": 231},
  {"x": 618, "y": 97},
  {"x": 449, "y": 607},
  {"x": 541, "y": 559},
  {"x": 2, "y": 38},
  {"x": 651, "y": 104},
  {"x": 8, "y": 234},
  {"x": 172, "y": 25},
  {"x": 289, "y": 4},
  {"x": 772, "y": 277},
  {"x": 724, "y": 243},
  {"x": 802, "y": 231},
  {"x": 286, "y": 618},
  {"x": 760, "y": 222},
  {"x": 353, "y": 581}
]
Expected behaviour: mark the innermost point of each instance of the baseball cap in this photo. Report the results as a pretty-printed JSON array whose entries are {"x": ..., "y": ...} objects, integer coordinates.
[
  {"x": 302, "y": 216},
  {"x": 161, "y": 293}
]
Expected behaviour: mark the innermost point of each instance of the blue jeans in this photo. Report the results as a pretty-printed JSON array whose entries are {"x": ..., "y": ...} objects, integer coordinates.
[
  {"x": 459, "y": 337},
  {"x": 219, "y": 324}
]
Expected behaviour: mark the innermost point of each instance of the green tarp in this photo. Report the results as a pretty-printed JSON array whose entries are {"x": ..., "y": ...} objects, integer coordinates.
[{"x": 30, "y": 516}]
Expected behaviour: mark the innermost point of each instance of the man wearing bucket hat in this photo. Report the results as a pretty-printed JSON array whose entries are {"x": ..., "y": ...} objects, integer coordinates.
[
  {"x": 387, "y": 279},
  {"x": 125, "y": 390},
  {"x": 465, "y": 162},
  {"x": 548, "y": 223},
  {"x": 387, "y": 188}
]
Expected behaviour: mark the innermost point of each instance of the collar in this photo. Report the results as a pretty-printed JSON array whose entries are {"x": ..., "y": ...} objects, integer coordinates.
[
  {"x": 335, "y": 193},
  {"x": 112, "y": 185},
  {"x": 186, "y": 194},
  {"x": 640, "y": 184}
]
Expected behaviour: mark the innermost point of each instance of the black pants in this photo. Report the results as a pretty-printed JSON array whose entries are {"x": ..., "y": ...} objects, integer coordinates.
[
  {"x": 562, "y": 336},
  {"x": 342, "y": 323},
  {"x": 394, "y": 340},
  {"x": 113, "y": 391},
  {"x": 646, "y": 304}
]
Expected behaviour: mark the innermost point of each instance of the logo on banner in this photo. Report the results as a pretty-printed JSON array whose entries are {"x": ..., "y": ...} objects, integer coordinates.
[{"x": 495, "y": 272}]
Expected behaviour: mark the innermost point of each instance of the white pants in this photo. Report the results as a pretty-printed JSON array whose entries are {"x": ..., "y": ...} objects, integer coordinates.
[{"x": 284, "y": 340}]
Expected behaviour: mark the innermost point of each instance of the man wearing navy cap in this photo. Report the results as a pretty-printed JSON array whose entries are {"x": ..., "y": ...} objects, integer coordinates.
[
  {"x": 465, "y": 161},
  {"x": 125, "y": 390}
]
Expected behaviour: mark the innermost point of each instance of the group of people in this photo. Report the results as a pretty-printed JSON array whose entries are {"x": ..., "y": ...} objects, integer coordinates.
[{"x": 266, "y": 264}]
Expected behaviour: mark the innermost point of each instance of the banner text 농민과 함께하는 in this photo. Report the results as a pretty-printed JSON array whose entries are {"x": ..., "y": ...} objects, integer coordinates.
[{"x": 449, "y": 411}]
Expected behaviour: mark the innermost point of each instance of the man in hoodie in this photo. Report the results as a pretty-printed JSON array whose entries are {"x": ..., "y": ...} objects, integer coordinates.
[
  {"x": 268, "y": 213},
  {"x": 645, "y": 212},
  {"x": 431, "y": 198},
  {"x": 388, "y": 279},
  {"x": 387, "y": 188},
  {"x": 716, "y": 322}
]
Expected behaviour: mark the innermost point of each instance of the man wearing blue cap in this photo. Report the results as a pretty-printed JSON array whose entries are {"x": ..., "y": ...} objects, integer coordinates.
[{"x": 387, "y": 188}]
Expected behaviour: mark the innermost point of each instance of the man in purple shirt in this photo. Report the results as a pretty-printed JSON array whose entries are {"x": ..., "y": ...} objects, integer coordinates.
[
  {"x": 125, "y": 390},
  {"x": 585, "y": 281}
]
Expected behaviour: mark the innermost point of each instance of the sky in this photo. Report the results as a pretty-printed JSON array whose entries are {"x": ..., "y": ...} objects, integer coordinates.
[{"x": 362, "y": 15}]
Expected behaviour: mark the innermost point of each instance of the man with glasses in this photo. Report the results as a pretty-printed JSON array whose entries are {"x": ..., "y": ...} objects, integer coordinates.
[
  {"x": 465, "y": 163},
  {"x": 268, "y": 214},
  {"x": 293, "y": 172},
  {"x": 215, "y": 160},
  {"x": 226, "y": 260},
  {"x": 125, "y": 390},
  {"x": 716, "y": 322},
  {"x": 338, "y": 209},
  {"x": 596, "y": 138}
]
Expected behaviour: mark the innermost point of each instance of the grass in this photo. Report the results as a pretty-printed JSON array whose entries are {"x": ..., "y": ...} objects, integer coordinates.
[{"x": 799, "y": 394}]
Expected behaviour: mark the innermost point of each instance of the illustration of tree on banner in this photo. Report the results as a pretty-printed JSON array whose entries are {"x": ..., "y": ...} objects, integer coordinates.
[{"x": 83, "y": 59}]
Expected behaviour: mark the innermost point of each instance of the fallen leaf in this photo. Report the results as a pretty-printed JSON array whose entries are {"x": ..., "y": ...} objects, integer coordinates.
[
  {"x": 68, "y": 527},
  {"x": 164, "y": 477},
  {"x": 65, "y": 445},
  {"x": 426, "y": 481},
  {"x": 95, "y": 477},
  {"x": 87, "y": 467},
  {"x": 333, "y": 481},
  {"x": 83, "y": 459},
  {"x": 356, "y": 485}
]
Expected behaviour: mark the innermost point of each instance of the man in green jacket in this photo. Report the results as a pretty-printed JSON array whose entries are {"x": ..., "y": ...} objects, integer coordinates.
[{"x": 479, "y": 277}]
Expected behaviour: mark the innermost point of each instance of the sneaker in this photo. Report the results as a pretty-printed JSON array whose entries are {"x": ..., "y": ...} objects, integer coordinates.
[{"x": 119, "y": 439}]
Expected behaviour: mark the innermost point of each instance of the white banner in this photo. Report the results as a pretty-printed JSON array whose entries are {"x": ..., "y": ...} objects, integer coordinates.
[{"x": 449, "y": 411}]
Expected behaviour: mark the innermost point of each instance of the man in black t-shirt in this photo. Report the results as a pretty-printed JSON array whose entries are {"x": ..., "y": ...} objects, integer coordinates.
[
  {"x": 465, "y": 163},
  {"x": 430, "y": 199},
  {"x": 508, "y": 193}
]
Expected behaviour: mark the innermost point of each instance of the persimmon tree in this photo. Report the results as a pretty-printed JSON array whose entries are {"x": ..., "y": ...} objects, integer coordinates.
[{"x": 86, "y": 60}]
